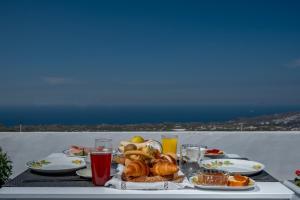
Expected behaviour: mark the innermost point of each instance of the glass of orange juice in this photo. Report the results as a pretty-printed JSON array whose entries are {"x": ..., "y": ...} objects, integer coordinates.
[{"x": 169, "y": 143}]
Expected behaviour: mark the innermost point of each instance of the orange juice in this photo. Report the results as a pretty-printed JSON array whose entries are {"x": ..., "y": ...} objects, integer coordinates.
[{"x": 169, "y": 144}]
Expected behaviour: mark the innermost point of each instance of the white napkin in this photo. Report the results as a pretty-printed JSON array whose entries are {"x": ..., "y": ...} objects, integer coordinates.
[{"x": 118, "y": 183}]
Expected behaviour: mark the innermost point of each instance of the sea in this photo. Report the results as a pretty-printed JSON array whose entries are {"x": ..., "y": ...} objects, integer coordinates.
[{"x": 91, "y": 115}]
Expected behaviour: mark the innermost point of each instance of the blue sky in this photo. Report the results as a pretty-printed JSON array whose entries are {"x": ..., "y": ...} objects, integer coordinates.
[{"x": 149, "y": 52}]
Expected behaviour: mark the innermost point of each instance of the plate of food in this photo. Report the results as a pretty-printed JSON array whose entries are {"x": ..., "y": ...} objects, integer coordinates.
[
  {"x": 56, "y": 164},
  {"x": 222, "y": 181},
  {"x": 77, "y": 151},
  {"x": 244, "y": 167},
  {"x": 147, "y": 168},
  {"x": 214, "y": 153}
]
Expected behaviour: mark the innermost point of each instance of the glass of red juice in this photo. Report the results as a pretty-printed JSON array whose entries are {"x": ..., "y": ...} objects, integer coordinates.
[{"x": 101, "y": 161}]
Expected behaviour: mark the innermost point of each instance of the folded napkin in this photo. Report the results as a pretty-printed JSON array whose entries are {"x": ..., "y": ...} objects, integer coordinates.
[{"x": 118, "y": 183}]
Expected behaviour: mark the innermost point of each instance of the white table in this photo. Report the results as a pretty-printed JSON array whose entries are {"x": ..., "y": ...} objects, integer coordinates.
[
  {"x": 265, "y": 190},
  {"x": 294, "y": 188}
]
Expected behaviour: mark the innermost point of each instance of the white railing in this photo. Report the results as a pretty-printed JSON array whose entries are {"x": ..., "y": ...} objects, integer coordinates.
[{"x": 279, "y": 151}]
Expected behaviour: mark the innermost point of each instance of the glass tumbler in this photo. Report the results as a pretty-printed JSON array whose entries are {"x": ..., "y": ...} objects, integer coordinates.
[
  {"x": 190, "y": 155},
  {"x": 169, "y": 143},
  {"x": 101, "y": 157}
]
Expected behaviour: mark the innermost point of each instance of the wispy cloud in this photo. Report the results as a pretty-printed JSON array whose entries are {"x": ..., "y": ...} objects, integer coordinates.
[
  {"x": 294, "y": 64},
  {"x": 55, "y": 80}
]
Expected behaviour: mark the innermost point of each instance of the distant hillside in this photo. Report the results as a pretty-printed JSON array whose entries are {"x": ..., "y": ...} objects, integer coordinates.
[{"x": 276, "y": 122}]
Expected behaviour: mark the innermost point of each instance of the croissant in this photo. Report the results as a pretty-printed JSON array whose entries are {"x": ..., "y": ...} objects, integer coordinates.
[
  {"x": 168, "y": 157},
  {"x": 119, "y": 159},
  {"x": 164, "y": 168},
  {"x": 136, "y": 168},
  {"x": 137, "y": 152}
]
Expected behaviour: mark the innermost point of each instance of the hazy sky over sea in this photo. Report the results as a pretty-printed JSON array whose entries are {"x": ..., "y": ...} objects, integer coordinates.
[{"x": 149, "y": 52}]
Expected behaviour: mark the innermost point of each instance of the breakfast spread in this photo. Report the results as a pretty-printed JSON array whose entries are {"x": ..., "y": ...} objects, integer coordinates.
[{"x": 149, "y": 164}]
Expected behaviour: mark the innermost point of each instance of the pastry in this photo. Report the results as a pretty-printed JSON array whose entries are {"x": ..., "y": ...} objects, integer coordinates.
[
  {"x": 213, "y": 178},
  {"x": 119, "y": 160},
  {"x": 135, "y": 169},
  {"x": 164, "y": 168},
  {"x": 147, "y": 164},
  {"x": 169, "y": 157},
  {"x": 137, "y": 152}
]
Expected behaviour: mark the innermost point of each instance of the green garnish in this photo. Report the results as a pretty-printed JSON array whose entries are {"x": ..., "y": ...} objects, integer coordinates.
[
  {"x": 227, "y": 162},
  {"x": 216, "y": 164},
  {"x": 39, "y": 164},
  {"x": 77, "y": 162}
]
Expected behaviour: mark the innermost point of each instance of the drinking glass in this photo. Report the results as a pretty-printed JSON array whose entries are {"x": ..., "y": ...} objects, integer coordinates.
[
  {"x": 169, "y": 144},
  {"x": 203, "y": 149},
  {"x": 101, "y": 157},
  {"x": 190, "y": 155}
]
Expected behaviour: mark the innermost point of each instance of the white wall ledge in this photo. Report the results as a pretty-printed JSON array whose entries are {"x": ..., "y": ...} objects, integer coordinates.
[{"x": 278, "y": 150}]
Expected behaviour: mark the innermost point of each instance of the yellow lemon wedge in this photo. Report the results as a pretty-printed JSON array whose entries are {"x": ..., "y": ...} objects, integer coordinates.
[
  {"x": 77, "y": 162},
  {"x": 137, "y": 139}
]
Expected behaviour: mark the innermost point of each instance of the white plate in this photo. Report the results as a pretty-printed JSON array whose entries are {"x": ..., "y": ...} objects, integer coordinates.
[
  {"x": 70, "y": 154},
  {"x": 87, "y": 172},
  {"x": 221, "y": 187},
  {"x": 244, "y": 167},
  {"x": 57, "y": 164}
]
